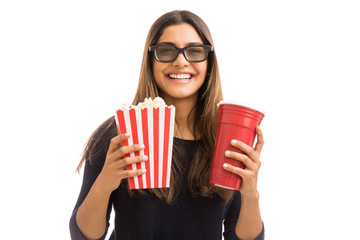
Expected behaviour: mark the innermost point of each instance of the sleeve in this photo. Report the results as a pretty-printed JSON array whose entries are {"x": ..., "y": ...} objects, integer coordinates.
[
  {"x": 232, "y": 217},
  {"x": 91, "y": 172}
]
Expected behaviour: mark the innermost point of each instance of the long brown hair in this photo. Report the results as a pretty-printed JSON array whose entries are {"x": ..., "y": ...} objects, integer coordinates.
[{"x": 206, "y": 115}]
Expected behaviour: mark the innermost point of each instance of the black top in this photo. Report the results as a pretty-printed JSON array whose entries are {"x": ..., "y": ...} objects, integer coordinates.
[{"x": 148, "y": 217}]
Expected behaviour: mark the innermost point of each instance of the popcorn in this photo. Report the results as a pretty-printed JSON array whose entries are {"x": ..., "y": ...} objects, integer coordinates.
[
  {"x": 147, "y": 103},
  {"x": 151, "y": 123}
]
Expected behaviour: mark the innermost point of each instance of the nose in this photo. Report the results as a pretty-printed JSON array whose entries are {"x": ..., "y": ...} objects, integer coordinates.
[{"x": 181, "y": 61}]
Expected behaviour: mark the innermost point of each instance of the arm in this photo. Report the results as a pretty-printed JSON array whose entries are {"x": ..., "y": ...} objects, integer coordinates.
[
  {"x": 90, "y": 174},
  {"x": 92, "y": 213},
  {"x": 249, "y": 224},
  {"x": 91, "y": 216},
  {"x": 232, "y": 218}
]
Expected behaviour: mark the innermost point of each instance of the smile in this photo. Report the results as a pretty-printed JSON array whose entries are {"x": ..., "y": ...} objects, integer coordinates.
[{"x": 180, "y": 76}]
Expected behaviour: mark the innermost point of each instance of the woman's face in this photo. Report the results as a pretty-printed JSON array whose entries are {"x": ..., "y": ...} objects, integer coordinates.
[{"x": 179, "y": 79}]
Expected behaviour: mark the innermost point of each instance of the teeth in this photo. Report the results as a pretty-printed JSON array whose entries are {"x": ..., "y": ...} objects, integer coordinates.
[{"x": 180, "y": 76}]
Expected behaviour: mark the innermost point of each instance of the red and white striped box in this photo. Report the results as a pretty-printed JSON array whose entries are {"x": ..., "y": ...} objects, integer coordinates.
[{"x": 153, "y": 127}]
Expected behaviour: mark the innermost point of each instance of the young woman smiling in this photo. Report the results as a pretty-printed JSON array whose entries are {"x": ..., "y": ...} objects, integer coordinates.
[{"x": 179, "y": 64}]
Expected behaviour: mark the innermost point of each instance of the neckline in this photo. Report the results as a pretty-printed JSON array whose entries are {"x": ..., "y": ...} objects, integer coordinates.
[{"x": 186, "y": 140}]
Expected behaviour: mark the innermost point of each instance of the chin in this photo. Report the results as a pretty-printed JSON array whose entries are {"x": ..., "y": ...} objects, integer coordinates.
[{"x": 182, "y": 95}]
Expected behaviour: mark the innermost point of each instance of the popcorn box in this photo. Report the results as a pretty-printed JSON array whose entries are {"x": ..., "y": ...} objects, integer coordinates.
[{"x": 153, "y": 127}]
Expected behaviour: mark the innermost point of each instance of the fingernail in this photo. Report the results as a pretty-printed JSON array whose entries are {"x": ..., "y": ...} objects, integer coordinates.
[
  {"x": 143, "y": 170},
  {"x": 144, "y": 157},
  {"x": 225, "y": 165},
  {"x": 227, "y": 153},
  {"x": 127, "y": 134},
  {"x": 233, "y": 141},
  {"x": 142, "y": 146}
]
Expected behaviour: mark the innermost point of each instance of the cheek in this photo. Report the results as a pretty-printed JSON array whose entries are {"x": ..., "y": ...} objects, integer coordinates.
[
  {"x": 202, "y": 69},
  {"x": 158, "y": 69}
]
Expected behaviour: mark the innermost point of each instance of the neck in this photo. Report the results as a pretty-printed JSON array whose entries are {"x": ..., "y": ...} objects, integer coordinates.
[{"x": 184, "y": 123}]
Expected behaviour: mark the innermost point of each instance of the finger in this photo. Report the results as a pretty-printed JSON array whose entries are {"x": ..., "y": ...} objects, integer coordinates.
[
  {"x": 249, "y": 151},
  {"x": 260, "y": 140},
  {"x": 241, "y": 157},
  {"x": 116, "y": 141},
  {"x": 238, "y": 171},
  {"x": 131, "y": 160},
  {"x": 122, "y": 151},
  {"x": 132, "y": 173}
]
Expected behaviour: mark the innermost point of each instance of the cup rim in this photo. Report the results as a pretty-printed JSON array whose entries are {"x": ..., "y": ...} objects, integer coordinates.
[{"x": 243, "y": 104}]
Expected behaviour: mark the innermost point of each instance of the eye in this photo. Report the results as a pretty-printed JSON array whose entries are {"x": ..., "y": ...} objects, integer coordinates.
[
  {"x": 165, "y": 50},
  {"x": 196, "y": 50}
]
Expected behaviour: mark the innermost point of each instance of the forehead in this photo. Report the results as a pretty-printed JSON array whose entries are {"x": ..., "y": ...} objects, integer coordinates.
[{"x": 180, "y": 35}]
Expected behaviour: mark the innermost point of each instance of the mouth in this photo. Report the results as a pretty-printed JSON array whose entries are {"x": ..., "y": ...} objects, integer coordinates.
[{"x": 182, "y": 76}]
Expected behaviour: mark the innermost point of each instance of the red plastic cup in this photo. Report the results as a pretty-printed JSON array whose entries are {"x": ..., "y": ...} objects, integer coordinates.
[{"x": 236, "y": 121}]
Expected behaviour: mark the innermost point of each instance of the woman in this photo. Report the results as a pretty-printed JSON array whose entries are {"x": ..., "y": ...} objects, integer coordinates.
[{"x": 180, "y": 65}]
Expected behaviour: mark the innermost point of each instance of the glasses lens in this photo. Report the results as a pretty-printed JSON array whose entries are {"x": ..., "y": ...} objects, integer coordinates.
[
  {"x": 166, "y": 53},
  {"x": 196, "y": 53}
]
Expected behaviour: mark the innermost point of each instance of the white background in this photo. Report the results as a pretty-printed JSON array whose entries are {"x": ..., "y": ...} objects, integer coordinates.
[{"x": 65, "y": 66}]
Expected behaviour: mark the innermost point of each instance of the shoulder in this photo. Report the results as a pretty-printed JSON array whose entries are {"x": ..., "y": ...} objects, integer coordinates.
[
  {"x": 100, "y": 139},
  {"x": 106, "y": 130}
]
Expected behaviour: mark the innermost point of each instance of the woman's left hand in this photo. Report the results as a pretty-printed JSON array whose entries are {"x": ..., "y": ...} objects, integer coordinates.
[{"x": 251, "y": 159}]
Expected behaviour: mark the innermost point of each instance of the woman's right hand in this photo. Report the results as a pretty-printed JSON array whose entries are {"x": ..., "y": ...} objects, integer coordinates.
[{"x": 114, "y": 169}]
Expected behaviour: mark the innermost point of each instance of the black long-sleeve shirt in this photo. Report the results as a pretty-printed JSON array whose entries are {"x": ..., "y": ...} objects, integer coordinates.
[{"x": 147, "y": 217}]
